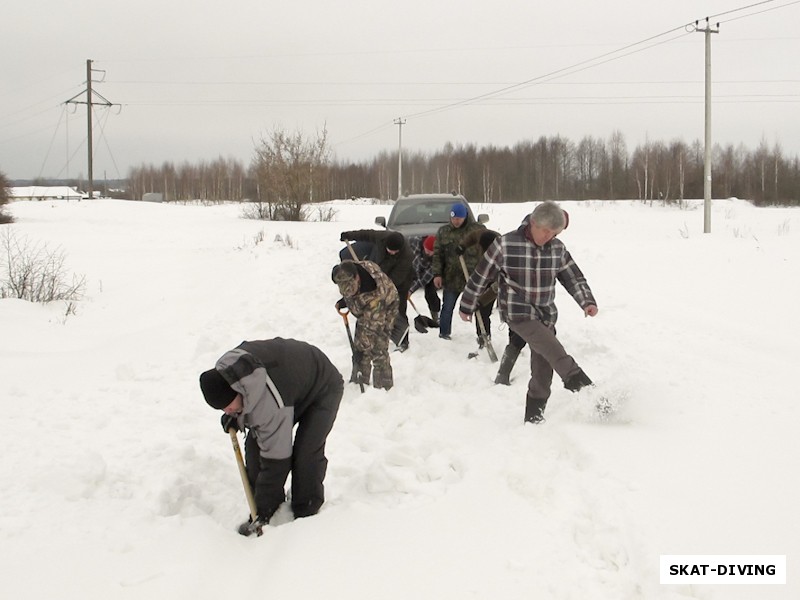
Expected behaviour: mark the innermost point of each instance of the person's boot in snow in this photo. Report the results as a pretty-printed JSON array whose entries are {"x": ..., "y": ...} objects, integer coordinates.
[
  {"x": 534, "y": 410},
  {"x": 510, "y": 355}
]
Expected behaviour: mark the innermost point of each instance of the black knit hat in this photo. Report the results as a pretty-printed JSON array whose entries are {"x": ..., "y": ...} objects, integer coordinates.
[
  {"x": 395, "y": 241},
  {"x": 216, "y": 390}
]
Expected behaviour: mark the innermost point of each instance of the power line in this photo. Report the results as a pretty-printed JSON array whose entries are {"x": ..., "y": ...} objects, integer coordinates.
[
  {"x": 749, "y": 6},
  {"x": 390, "y": 102},
  {"x": 433, "y": 83},
  {"x": 592, "y": 62}
]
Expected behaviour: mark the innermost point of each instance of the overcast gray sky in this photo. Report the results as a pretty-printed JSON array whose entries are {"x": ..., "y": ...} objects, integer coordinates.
[{"x": 198, "y": 80}]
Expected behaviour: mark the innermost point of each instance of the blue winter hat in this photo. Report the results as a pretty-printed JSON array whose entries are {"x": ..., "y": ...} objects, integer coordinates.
[{"x": 458, "y": 210}]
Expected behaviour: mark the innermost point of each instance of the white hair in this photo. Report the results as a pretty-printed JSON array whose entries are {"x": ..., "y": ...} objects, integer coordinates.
[{"x": 549, "y": 215}]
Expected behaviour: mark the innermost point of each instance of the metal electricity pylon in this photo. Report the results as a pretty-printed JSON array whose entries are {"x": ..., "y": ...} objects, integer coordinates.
[{"x": 92, "y": 98}]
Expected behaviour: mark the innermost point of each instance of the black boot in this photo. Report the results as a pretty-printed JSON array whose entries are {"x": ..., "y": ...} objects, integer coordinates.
[
  {"x": 534, "y": 410},
  {"x": 510, "y": 355},
  {"x": 577, "y": 381}
]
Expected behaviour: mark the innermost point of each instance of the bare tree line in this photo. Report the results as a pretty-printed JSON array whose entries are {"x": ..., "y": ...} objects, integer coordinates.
[
  {"x": 547, "y": 168},
  {"x": 218, "y": 180},
  {"x": 5, "y": 196}
]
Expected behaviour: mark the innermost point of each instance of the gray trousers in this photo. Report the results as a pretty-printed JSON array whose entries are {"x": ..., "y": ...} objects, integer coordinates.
[{"x": 547, "y": 355}]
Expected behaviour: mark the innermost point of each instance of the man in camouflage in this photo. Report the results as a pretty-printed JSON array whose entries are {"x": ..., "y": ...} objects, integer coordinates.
[
  {"x": 394, "y": 256},
  {"x": 448, "y": 274},
  {"x": 482, "y": 238},
  {"x": 371, "y": 297}
]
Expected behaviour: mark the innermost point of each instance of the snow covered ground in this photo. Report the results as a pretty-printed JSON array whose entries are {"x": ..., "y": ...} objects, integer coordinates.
[{"x": 117, "y": 481}]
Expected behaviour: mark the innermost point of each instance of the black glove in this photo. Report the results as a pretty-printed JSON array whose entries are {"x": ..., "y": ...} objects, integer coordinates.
[
  {"x": 358, "y": 356},
  {"x": 344, "y": 237},
  {"x": 460, "y": 249},
  {"x": 229, "y": 422},
  {"x": 341, "y": 303}
]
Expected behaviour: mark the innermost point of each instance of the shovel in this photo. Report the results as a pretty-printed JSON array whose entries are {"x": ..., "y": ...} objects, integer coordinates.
[
  {"x": 422, "y": 322},
  {"x": 352, "y": 252},
  {"x": 486, "y": 341},
  {"x": 343, "y": 314},
  {"x": 254, "y": 526}
]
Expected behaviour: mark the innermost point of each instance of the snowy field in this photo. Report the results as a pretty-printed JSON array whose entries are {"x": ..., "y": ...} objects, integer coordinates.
[{"x": 117, "y": 481}]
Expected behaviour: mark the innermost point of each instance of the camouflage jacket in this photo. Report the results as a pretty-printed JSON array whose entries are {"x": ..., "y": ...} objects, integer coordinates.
[
  {"x": 473, "y": 239},
  {"x": 375, "y": 309},
  {"x": 445, "y": 259}
]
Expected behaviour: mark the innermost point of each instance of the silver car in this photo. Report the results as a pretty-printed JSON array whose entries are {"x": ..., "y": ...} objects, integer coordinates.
[{"x": 421, "y": 215}]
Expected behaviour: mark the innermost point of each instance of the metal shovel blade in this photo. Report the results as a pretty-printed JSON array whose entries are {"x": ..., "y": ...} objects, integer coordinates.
[{"x": 419, "y": 325}]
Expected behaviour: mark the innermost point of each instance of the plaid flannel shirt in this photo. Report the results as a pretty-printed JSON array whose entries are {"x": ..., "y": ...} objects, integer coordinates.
[
  {"x": 527, "y": 276},
  {"x": 423, "y": 266}
]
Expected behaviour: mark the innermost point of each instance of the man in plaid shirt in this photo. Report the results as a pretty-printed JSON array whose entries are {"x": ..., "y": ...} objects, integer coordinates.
[
  {"x": 527, "y": 263},
  {"x": 423, "y": 275}
]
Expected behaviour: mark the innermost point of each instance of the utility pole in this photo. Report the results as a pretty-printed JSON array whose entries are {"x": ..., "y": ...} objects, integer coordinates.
[
  {"x": 89, "y": 102},
  {"x": 400, "y": 122},
  {"x": 707, "y": 155},
  {"x": 89, "y": 127}
]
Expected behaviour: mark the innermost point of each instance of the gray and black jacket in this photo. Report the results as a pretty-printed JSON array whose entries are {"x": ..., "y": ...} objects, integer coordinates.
[{"x": 279, "y": 379}]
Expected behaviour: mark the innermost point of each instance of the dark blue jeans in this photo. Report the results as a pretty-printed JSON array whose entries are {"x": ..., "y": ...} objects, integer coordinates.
[{"x": 449, "y": 299}]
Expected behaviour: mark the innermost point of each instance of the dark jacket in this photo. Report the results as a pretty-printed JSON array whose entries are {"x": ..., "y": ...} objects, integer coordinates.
[{"x": 399, "y": 267}]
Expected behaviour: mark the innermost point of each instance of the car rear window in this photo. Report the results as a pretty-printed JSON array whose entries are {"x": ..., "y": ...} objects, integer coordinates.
[{"x": 432, "y": 212}]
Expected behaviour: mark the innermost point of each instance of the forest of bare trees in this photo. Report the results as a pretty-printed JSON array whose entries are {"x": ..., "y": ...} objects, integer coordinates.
[
  {"x": 5, "y": 196},
  {"x": 547, "y": 168}
]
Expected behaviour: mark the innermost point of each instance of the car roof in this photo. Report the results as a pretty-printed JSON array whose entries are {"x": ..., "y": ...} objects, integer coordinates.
[{"x": 415, "y": 198}]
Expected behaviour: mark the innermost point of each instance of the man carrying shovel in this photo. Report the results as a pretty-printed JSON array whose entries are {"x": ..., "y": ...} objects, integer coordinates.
[
  {"x": 267, "y": 387},
  {"x": 391, "y": 252},
  {"x": 371, "y": 297},
  {"x": 423, "y": 279}
]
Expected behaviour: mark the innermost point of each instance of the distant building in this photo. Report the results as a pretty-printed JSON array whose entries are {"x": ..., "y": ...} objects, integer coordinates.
[
  {"x": 38, "y": 192},
  {"x": 153, "y": 197}
]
